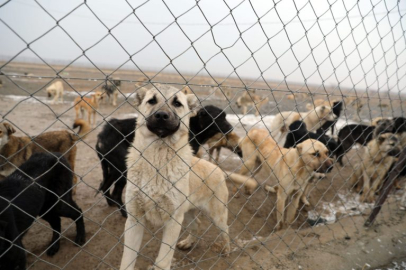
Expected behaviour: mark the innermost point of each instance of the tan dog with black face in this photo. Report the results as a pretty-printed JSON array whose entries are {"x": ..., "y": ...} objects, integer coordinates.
[
  {"x": 377, "y": 159},
  {"x": 313, "y": 119},
  {"x": 293, "y": 167},
  {"x": 165, "y": 181}
]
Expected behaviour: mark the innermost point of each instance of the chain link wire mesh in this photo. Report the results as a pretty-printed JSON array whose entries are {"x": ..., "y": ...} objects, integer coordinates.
[{"x": 255, "y": 69}]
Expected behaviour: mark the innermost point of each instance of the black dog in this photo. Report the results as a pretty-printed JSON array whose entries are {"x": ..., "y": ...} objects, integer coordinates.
[
  {"x": 40, "y": 187},
  {"x": 111, "y": 87},
  {"x": 298, "y": 133},
  {"x": 117, "y": 135},
  {"x": 337, "y": 108}
]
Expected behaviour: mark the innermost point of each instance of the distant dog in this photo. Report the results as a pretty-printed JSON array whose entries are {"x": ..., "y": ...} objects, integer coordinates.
[
  {"x": 376, "y": 161},
  {"x": 89, "y": 104},
  {"x": 41, "y": 187},
  {"x": 14, "y": 151},
  {"x": 293, "y": 168},
  {"x": 313, "y": 119},
  {"x": 337, "y": 108},
  {"x": 111, "y": 90},
  {"x": 353, "y": 134},
  {"x": 248, "y": 99},
  {"x": 55, "y": 90},
  {"x": 229, "y": 141},
  {"x": 164, "y": 180}
]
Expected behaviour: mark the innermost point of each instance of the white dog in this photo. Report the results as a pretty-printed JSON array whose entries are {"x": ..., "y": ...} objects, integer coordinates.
[
  {"x": 164, "y": 181},
  {"x": 55, "y": 90}
]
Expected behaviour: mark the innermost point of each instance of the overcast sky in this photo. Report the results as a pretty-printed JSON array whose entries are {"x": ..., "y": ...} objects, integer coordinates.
[{"x": 357, "y": 44}]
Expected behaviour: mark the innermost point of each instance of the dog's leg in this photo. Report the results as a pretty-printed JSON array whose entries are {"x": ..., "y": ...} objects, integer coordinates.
[
  {"x": 73, "y": 212},
  {"x": 169, "y": 239},
  {"x": 218, "y": 212},
  {"x": 117, "y": 194},
  {"x": 293, "y": 206},
  {"x": 366, "y": 188},
  {"x": 218, "y": 154},
  {"x": 133, "y": 234},
  {"x": 211, "y": 153},
  {"x": 115, "y": 94},
  {"x": 280, "y": 207},
  {"x": 55, "y": 222},
  {"x": 305, "y": 194},
  {"x": 244, "y": 110},
  {"x": 193, "y": 227}
]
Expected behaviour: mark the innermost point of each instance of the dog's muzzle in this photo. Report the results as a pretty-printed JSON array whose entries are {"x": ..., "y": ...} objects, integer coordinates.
[
  {"x": 326, "y": 167},
  {"x": 163, "y": 124},
  {"x": 395, "y": 152}
]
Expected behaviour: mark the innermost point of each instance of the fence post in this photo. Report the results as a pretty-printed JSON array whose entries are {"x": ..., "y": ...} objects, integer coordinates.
[{"x": 387, "y": 187}]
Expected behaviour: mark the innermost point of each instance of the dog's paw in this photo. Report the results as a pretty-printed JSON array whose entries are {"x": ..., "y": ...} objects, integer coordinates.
[
  {"x": 80, "y": 239},
  {"x": 305, "y": 201},
  {"x": 53, "y": 249},
  {"x": 185, "y": 244},
  {"x": 270, "y": 189},
  {"x": 223, "y": 249}
]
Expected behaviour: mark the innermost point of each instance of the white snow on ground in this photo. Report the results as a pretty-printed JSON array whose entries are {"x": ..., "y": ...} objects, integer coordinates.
[{"x": 29, "y": 99}]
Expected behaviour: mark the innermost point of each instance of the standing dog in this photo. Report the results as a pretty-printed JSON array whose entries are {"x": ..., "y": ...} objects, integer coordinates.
[
  {"x": 14, "y": 151},
  {"x": 111, "y": 90},
  {"x": 40, "y": 187},
  {"x": 376, "y": 161},
  {"x": 165, "y": 181},
  {"x": 55, "y": 90},
  {"x": 293, "y": 167},
  {"x": 250, "y": 99},
  {"x": 313, "y": 120},
  {"x": 229, "y": 141},
  {"x": 90, "y": 104}
]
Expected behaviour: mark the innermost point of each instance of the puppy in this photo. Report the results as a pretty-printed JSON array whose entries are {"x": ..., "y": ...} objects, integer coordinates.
[
  {"x": 250, "y": 99},
  {"x": 55, "y": 90},
  {"x": 229, "y": 141},
  {"x": 40, "y": 187},
  {"x": 90, "y": 104},
  {"x": 353, "y": 134},
  {"x": 293, "y": 168},
  {"x": 111, "y": 90},
  {"x": 376, "y": 161},
  {"x": 313, "y": 120},
  {"x": 298, "y": 133},
  {"x": 14, "y": 151},
  {"x": 164, "y": 180}
]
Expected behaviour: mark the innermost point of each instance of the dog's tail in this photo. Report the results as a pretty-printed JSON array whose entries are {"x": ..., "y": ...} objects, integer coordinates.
[
  {"x": 249, "y": 183},
  {"x": 84, "y": 129}
]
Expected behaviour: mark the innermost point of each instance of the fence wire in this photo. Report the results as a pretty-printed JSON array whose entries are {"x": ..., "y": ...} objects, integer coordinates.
[{"x": 226, "y": 162}]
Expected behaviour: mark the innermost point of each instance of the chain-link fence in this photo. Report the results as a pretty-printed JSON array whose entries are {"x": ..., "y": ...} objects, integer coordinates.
[{"x": 295, "y": 109}]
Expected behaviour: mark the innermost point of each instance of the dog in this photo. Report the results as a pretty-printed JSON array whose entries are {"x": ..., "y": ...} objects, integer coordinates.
[
  {"x": 298, "y": 133},
  {"x": 337, "y": 108},
  {"x": 353, "y": 134},
  {"x": 166, "y": 181},
  {"x": 378, "y": 158},
  {"x": 229, "y": 141},
  {"x": 111, "y": 90},
  {"x": 313, "y": 119},
  {"x": 55, "y": 90},
  {"x": 14, "y": 151},
  {"x": 90, "y": 104},
  {"x": 293, "y": 168},
  {"x": 248, "y": 99},
  {"x": 40, "y": 187}
]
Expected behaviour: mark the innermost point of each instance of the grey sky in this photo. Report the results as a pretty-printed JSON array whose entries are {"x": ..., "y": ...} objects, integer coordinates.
[{"x": 305, "y": 49}]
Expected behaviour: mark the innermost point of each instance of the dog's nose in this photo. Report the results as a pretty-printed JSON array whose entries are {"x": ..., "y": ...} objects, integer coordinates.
[{"x": 162, "y": 115}]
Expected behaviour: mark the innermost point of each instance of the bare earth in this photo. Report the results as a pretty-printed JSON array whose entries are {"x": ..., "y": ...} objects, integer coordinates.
[{"x": 345, "y": 244}]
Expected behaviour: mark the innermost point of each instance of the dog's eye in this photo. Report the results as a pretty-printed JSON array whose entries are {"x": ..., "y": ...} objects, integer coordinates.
[
  {"x": 152, "y": 101},
  {"x": 177, "y": 103},
  {"x": 317, "y": 154}
]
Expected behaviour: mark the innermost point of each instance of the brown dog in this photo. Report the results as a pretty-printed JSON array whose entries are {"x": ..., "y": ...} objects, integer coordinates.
[
  {"x": 14, "y": 151},
  {"x": 250, "y": 99},
  {"x": 377, "y": 159},
  {"x": 90, "y": 104},
  {"x": 229, "y": 141},
  {"x": 292, "y": 167}
]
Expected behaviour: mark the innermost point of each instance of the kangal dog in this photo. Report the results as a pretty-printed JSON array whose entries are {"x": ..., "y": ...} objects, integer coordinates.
[
  {"x": 55, "y": 90},
  {"x": 376, "y": 161},
  {"x": 165, "y": 181},
  {"x": 313, "y": 119},
  {"x": 293, "y": 168}
]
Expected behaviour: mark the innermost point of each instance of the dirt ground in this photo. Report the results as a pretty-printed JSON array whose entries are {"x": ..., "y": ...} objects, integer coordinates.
[{"x": 255, "y": 243}]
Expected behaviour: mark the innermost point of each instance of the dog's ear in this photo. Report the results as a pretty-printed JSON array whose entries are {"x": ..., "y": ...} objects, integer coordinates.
[
  {"x": 381, "y": 139},
  {"x": 10, "y": 128},
  {"x": 193, "y": 104},
  {"x": 140, "y": 96}
]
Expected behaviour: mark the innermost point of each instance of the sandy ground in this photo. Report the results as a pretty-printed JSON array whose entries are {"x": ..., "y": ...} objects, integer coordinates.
[{"x": 251, "y": 219}]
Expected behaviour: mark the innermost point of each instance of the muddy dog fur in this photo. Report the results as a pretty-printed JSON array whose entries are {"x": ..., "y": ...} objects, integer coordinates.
[
  {"x": 14, "y": 151},
  {"x": 40, "y": 187},
  {"x": 116, "y": 137}
]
